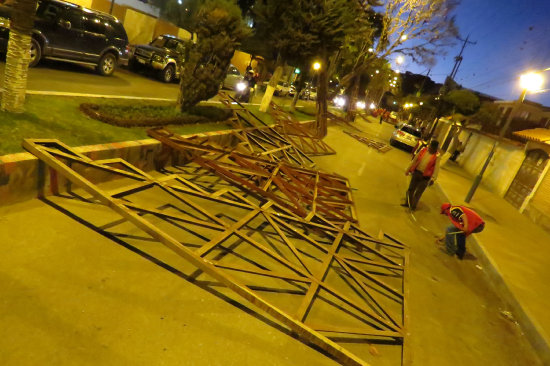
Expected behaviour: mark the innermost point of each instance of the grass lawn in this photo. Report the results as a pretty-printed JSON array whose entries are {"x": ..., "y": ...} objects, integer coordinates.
[{"x": 60, "y": 118}]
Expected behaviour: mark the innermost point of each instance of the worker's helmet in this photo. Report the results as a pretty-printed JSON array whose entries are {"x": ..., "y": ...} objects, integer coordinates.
[{"x": 445, "y": 207}]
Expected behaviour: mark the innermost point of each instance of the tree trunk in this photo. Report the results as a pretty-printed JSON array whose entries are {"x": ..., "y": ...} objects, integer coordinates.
[
  {"x": 18, "y": 56},
  {"x": 322, "y": 90},
  {"x": 271, "y": 87},
  {"x": 299, "y": 86},
  {"x": 352, "y": 106}
]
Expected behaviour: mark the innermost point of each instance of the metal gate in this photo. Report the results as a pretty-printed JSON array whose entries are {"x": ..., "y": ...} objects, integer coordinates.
[{"x": 527, "y": 177}]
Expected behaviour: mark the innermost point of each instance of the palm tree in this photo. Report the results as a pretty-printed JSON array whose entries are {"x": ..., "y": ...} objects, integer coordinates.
[{"x": 18, "y": 55}]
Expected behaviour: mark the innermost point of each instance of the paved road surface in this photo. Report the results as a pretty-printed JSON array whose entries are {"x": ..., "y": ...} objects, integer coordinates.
[{"x": 66, "y": 77}]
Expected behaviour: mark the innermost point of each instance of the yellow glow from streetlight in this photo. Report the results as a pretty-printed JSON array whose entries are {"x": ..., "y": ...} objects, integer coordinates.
[
  {"x": 377, "y": 71},
  {"x": 531, "y": 81},
  {"x": 317, "y": 66},
  {"x": 421, "y": 103},
  {"x": 400, "y": 59},
  {"x": 404, "y": 37},
  {"x": 371, "y": 49}
]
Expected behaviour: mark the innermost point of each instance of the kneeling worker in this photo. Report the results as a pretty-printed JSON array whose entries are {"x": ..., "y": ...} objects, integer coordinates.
[{"x": 465, "y": 221}]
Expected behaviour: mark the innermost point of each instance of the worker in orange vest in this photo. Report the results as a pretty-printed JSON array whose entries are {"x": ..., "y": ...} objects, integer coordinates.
[
  {"x": 465, "y": 221},
  {"x": 424, "y": 169}
]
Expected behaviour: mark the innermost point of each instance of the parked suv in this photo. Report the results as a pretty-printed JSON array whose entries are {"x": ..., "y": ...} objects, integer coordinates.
[
  {"x": 165, "y": 55},
  {"x": 69, "y": 32}
]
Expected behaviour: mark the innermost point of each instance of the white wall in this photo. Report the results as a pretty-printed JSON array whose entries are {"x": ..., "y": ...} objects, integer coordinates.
[{"x": 503, "y": 167}]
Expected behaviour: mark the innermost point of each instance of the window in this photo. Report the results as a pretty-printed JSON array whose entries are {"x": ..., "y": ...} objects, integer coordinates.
[
  {"x": 74, "y": 16},
  {"x": 48, "y": 11},
  {"x": 94, "y": 25},
  {"x": 171, "y": 43},
  {"x": 159, "y": 42},
  {"x": 412, "y": 131}
]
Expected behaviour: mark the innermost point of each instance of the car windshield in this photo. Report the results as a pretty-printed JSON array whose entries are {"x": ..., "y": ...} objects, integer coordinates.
[
  {"x": 161, "y": 42},
  {"x": 411, "y": 130}
]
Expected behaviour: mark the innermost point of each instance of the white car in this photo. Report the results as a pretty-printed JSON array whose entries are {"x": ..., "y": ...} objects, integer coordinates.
[
  {"x": 282, "y": 90},
  {"x": 232, "y": 77},
  {"x": 405, "y": 136}
]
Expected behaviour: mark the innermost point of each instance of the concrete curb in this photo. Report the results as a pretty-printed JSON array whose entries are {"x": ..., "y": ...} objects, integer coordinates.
[{"x": 529, "y": 325}]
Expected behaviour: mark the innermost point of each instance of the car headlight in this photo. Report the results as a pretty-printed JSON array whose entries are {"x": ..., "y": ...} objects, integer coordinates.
[
  {"x": 340, "y": 101},
  {"x": 240, "y": 86}
]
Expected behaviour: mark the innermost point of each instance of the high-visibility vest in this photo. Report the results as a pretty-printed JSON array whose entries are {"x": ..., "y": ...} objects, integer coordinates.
[{"x": 428, "y": 172}]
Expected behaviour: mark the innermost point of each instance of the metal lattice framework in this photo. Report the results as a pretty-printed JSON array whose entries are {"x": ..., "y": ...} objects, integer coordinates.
[
  {"x": 370, "y": 142},
  {"x": 305, "y": 192},
  {"x": 320, "y": 280},
  {"x": 299, "y": 133}
]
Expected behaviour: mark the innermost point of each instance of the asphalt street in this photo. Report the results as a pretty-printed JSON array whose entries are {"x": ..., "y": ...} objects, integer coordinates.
[{"x": 73, "y": 78}]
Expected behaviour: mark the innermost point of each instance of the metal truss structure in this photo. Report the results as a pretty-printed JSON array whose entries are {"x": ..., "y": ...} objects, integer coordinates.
[
  {"x": 378, "y": 145},
  {"x": 303, "y": 191},
  {"x": 327, "y": 283},
  {"x": 299, "y": 134}
]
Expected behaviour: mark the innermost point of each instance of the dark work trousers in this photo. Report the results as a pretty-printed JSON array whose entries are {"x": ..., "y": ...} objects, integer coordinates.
[
  {"x": 455, "y": 241},
  {"x": 416, "y": 188}
]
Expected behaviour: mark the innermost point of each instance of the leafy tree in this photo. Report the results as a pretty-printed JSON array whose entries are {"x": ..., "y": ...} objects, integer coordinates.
[
  {"x": 311, "y": 28},
  {"x": 462, "y": 101},
  {"x": 219, "y": 29},
  {"x": 487, "y": 116},
  {"x": 18, "y": 55},
  {"x": 415, "y": 28}
]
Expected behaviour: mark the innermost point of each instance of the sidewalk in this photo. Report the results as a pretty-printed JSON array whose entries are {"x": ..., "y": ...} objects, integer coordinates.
[{"x": 514, "y": 253}]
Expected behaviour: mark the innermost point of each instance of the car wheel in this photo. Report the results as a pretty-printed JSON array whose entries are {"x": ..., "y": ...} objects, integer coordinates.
[
  {"x": 36, "y": 53},
  {"x": 167, "y": 74},
  {"x": 392, "y": 142},
  {"x": 107, "y": 64}
]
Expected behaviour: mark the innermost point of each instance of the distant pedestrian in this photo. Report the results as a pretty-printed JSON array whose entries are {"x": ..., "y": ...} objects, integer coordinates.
[
  {"x": 424, "y": 169},
  {"x": 465, "y": 221},
  {"x": 381, "y": 118}
]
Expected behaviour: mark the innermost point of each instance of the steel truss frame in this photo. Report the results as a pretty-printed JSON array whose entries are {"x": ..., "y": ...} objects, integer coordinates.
[
  {"x": 298, "y": 133},
  {"x": 310, "y": 257},
  {"x": 378, "y": 145},
  {"x": 305, "y": 192}
]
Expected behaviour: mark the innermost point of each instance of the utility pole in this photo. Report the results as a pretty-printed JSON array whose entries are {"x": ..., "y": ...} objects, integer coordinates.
[
  {"x": 458, "y": 59},
  {"x": 443, "y": 91},
  {"x": 419, "y": 92}
]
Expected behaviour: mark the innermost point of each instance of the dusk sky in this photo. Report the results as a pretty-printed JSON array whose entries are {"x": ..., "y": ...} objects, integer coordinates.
[{"x": 512, "y": 36}]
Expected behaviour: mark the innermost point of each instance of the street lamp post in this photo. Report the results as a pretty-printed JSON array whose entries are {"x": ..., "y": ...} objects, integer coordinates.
[{"x": 531, "y": 81}]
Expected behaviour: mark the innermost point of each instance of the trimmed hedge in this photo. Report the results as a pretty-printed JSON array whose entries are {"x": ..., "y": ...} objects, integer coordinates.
[{"x": 153, "y": 115}]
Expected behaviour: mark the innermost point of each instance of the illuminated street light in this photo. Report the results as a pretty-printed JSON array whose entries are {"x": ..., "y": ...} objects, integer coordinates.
[
  {"x": 360, "y": 104},
  {"x": 370, "y": 49},
  {"x": 317, "y": 66},
  {"x": 404, "y": 37},
  {"x": 400, "y": 59},
  {"x": 377, "y": 71},
  {"x": 421, "y": 103},
  {"x": 372, "y": 106},
  {"x": 395, "y": 78},
  {"x": 530, "y": 82}
]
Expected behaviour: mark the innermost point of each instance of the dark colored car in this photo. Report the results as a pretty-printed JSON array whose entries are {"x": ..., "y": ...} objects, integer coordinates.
[
  {"x": 69, "y": 32},
  {"x": 164, "y": 55}
]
